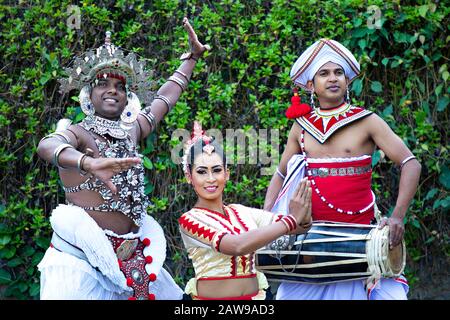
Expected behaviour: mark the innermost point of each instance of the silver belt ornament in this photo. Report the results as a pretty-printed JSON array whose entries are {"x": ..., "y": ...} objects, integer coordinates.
[{"x": 348, "y": 171}]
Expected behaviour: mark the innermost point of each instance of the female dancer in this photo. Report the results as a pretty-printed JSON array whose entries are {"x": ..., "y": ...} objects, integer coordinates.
[{"x": 222, "y": 239}]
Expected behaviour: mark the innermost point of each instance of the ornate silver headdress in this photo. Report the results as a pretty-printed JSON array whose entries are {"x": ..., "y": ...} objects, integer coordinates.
[
  {"x": 197, "y": 134},
  {"x": 109, "y": 60}
]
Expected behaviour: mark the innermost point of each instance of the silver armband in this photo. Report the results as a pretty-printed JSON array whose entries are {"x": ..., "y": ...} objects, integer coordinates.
[
  {"x": 183, "y": 74},
  {"x": 80, "y": 163},
  {"x": 58, "y": 135},
  {"x": 406, "y": 160},
  {"x": 149, "y": 116},
  {"x": 57, "y": 151},
  {"x": 280, "y": 174},
  {"x": 180, "y": 82},
  {"x": 166, "y": 101}
]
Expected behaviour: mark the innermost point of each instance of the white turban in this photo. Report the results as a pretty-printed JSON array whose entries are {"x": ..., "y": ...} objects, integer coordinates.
[{"x": 321, "y": 52}]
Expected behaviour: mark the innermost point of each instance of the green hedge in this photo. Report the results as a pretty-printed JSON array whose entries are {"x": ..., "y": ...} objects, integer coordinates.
[{"x": 242, "y": 83}]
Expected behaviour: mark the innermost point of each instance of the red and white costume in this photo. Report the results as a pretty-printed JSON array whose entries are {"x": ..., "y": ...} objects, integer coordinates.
[
  {"x": 203, "y": 229},
  {"x": 341, "y": 186}
]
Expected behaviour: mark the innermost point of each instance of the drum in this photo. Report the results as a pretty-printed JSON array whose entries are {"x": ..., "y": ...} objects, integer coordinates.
[{"x": 332, "y": 252}]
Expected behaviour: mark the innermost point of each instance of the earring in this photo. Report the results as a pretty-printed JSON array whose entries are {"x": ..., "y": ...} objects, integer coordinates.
[
  {"x": 85, "y": 101},
  {"x": 348, "y": 95},
  {"x": 131, "y": 111},
  {"x": 312, "y": 99}
]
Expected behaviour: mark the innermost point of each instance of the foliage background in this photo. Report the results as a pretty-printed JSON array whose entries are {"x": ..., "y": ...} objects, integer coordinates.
[{"x": 242, "y": 83}]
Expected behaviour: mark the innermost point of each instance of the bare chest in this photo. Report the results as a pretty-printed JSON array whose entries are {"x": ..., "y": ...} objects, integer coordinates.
[{"x": 350, "y": 141}]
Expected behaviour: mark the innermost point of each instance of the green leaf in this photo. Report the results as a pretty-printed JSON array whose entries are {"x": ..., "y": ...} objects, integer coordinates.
[
  {"x": 37, "y": 258},
  {"x": 442, "y": 104},
  {"x": 28, "y": 251},
  {"x": 148, "y": 188},
  {"x": 357, "y": 87},
  {"x": 415, "y": 223},
  {"x": 436, "y": 204},
  {"x": 9, "y": 252},
  {"x": 34, "y": 289},
  {"x": 445, "y": 203},
  {"x": 43, "y": 242},
  {"x": 445, "y": 75},
  {"x": 444, "y": 177},
  {"x": 5, "y": 239},
  {"x": 376, "y": 87},
  {"x": 423, "y": 10},
  {"x": 359, "y": 32},
  {"x": 5, "y": 276},
  {"x": 79, "y": 117},
  {"x": 22, "y": 286},
  {"x": 148, "y": 163},
  {"x": 431, "y": 194},
  {"x": 362, "y": 43},
  {"x": 388, "y": 111},
  {"x": 376, "y": 158},
  {"x": 14, "y": 262}
]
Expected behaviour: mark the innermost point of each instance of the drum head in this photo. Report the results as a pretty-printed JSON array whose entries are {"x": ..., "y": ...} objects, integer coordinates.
[{"x": 396, "y": 258}]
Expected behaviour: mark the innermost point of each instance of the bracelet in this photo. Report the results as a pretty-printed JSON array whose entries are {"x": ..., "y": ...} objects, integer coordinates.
[
  {"x": 57, "y": 135},
  {"x": 57, "y": 151},
  {"x": 63, "y": 135},
  {"x": 166, "y": 100},
  {"x": 80, "y": 163},
  {"x": 280, "y": 174},
  {"x": 187, "y": 56},
  {"x": 183, "y": 74},
  {"x": 148, "y": 114},
  {"x": 406, "y": 160},
  {"x": 179, "y": 82},
  {"x": 290, "y": 222}
]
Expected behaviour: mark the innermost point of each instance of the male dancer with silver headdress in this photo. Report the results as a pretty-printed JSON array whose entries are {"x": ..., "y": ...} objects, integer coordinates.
[
  {"x": 332, "y": 144},
  {"x": 104, "y": 244}
]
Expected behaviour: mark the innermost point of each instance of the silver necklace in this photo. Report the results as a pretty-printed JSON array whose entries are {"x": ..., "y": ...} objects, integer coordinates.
[{"x": 104, "y": 126}]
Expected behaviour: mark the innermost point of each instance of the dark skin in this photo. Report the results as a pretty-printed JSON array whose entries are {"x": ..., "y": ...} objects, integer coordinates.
[
  {"x": 356, "y": 139},
  {"x": 109, "y": 99}
]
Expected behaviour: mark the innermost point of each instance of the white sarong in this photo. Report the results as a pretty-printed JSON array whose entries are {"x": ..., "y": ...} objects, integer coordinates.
[{"x": 66, "y": 277}]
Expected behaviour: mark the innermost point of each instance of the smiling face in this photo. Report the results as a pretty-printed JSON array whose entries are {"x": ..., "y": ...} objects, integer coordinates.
[
  {"x": 208, "y": 177},
  {"x": 330, "y": 85},
  {"x": 109, "y": 98}
]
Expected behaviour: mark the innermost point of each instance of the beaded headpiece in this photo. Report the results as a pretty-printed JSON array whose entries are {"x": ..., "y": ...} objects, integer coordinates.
[
  {"x": 197, "y": 134},
  {"x": 109, "y": 61}
]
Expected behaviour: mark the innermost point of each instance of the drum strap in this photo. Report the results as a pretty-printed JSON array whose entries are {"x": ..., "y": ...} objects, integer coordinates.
[{"x": 278, "y": 256}]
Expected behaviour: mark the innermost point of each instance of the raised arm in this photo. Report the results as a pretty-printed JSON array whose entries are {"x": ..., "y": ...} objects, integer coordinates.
[
  {"x": 170, "y": 92},
  {"x": 397, "y": 151},
  {"x": 292, "y": 147}
]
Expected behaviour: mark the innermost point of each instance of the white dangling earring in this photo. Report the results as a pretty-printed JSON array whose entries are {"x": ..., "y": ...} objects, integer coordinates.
[
  {"x": 312, "y": 99},
  {"x": 131, "y": 111},
  {"x": 85, "y": 101},
  {"x": 348, "y": 95}
]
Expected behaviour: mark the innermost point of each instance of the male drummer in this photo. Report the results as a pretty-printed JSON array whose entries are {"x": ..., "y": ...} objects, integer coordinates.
[{"x": 332, "y": 144}]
